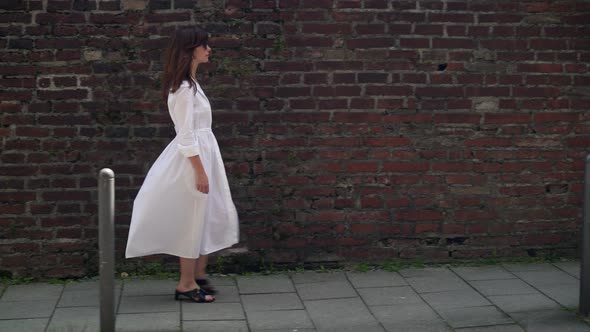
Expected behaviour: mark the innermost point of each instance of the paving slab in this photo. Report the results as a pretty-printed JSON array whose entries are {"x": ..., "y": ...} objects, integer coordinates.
[
  {"x": 265, "y": 284},
  {"x": 474, "y": 316},
  {"x": 503, "y": 287},
  {"x": 438, "y": 326},
  {"x": 212, "y": 311},
  {"x": 281, "y": 319},
  {"x": 455, "y": 299},
  {"x": 567, "y": 295},
  {"x": 32, "y": 292},
  {"x": 152, "y": 322},
  {"x": 83, "y": 298},
  {"x": 389, "y": 295},
  {"x": 572, "y": 268},
  {"x": 285, "y": 330},
  {"x": 325, "y": 290},
  {"x": 86, "y": 285},
  {"x": 215, "y": 326},
  {"x": 482, "y": 272},
  {"x": 267, "y": 302},
  {"x": 404, "y": 314},
  {"x": 85, "y": 319},
  {"x": 311, "y": 276},
  {"x": 524, "y": 302},
  {"x": 418, "y": 272},
  {"x": 495, "y": 328},
  {"x": 227, "y": 294},
  {"x": 375, "y": 279},
  {"x": 437, "y": 284},
  {"x": 542, "y": 278},
  {"x": 342, "y": 315},
  {"x": 27, "y": 309},
  {"x": 222, "y": 281},
  {"x": 146, "y": 304},
  {"x": 521, "y": 267},
  {"x": 24, "y": 325},
  {"x": 550, "y": 321},
  {"x": 137, "y": 287}
]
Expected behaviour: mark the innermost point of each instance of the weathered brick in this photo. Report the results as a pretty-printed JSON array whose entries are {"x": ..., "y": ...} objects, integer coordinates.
[
  {"x": 370, "y": 43},
  {"x": 319, "y": 28}
]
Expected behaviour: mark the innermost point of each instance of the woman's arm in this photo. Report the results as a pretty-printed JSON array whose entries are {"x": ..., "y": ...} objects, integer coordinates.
[
  {"x": 202, "y": 181},
  {"x": 188, "y": 142}
]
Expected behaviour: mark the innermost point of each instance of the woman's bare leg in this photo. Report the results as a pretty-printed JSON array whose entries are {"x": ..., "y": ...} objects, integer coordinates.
[
  {"x": 187, "y": 276},
  {"x": 201, "y": 267}
]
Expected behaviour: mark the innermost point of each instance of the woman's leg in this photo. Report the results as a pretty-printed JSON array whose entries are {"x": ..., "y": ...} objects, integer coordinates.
[
  {"x": 187, "y": 276},
  {"x": 201, "y": 274},
  {"x": 201, "y": 267}
]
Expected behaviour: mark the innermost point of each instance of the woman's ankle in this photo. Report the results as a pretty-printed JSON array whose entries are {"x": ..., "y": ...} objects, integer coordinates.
[{"x": 190, "y": 284}]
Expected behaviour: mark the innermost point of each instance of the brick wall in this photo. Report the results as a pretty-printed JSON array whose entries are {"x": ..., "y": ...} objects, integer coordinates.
[{"x": 351, "y": 129}]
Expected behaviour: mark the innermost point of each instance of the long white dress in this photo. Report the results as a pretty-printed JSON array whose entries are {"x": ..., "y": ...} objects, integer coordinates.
[{"x": 170, "y": 216}]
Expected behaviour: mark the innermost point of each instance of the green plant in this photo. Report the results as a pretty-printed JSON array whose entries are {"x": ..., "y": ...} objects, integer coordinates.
[
  {"x": 270, "y": 269},
  {"x": 276, "y": 211},
  {"x": 300, "y": 268},
  {"x": 219, "y": 264},
  {"x": 12, "y": 229},
  {"x": 232, "y": 22},
  {"x": 237, "y": 69},
  {"x": 392, "y": 266},
  {"x": 17, "y": 280},
  {"x": 417, "y": 263},
  {"x": 279, "y": 44},
  {"x": 56, "y": 281},
  {"x": 362, "y": 267}
]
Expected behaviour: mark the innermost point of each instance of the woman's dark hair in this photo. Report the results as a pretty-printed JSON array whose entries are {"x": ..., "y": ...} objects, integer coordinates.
[{"x": 179, "y": 54}]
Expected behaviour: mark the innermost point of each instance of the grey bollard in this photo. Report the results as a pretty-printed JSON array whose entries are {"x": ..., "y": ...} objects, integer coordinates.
[
  {"x": 585, "y": 268},
  {"x": 106, "y": 248}
]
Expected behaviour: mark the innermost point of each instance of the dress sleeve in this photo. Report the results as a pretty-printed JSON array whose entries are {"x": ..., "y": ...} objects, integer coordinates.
[{"x": 188, "y": 142}]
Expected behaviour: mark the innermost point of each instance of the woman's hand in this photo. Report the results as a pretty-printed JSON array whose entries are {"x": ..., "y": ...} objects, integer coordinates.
[
  {"x": 201, "y": 179},
  {"x": 202, "y": 182}
]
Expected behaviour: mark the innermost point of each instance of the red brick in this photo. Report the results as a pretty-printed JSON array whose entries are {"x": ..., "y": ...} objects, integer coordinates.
[
  {"x": 439, "y": 92},
  {"x": 453, "y": 43},
  {"x": 363, "y": 228},
  {"x": 579, "y": 142},
  {"x": 387, "y": 90},
  {"x": 540, "y": 67},
  {"x": 427, "y": 228},
  {"x": 457, "y": 118},
  {"x": 414, "y": 42},
  {"x": 454, "y": 18},
  {"x": 452, "y": 167},
  {"x": 326, "y": 216},
  {"x": 370, "y": 43},
  {"x": 362, "y": 167},
  {"x": 405, "y": 167},
  {"x": 323, "y": 28}
]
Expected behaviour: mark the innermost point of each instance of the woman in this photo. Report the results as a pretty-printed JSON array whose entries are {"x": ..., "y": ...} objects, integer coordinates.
[{"x": 184, "y": 207}]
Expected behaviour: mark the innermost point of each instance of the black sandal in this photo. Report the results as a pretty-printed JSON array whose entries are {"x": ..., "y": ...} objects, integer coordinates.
[
  {"x": 206, "y": 286},
  {"x": 196, "y": 295}
]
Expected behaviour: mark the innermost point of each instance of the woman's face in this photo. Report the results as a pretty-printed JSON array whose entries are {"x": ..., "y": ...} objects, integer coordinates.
[{"x": 201, "y": 53}]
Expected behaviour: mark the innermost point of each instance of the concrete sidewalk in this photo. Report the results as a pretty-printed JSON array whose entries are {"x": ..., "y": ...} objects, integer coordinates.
[{"x": 508, "y": 298}]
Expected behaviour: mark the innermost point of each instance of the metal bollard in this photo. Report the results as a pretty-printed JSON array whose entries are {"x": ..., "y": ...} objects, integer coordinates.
[
  {"x": 106, "y": 248},
  {"x": 585, "y": 268}
]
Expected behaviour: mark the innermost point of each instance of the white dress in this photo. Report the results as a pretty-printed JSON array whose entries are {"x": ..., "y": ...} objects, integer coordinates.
[{"x": 170, "y": 216}]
